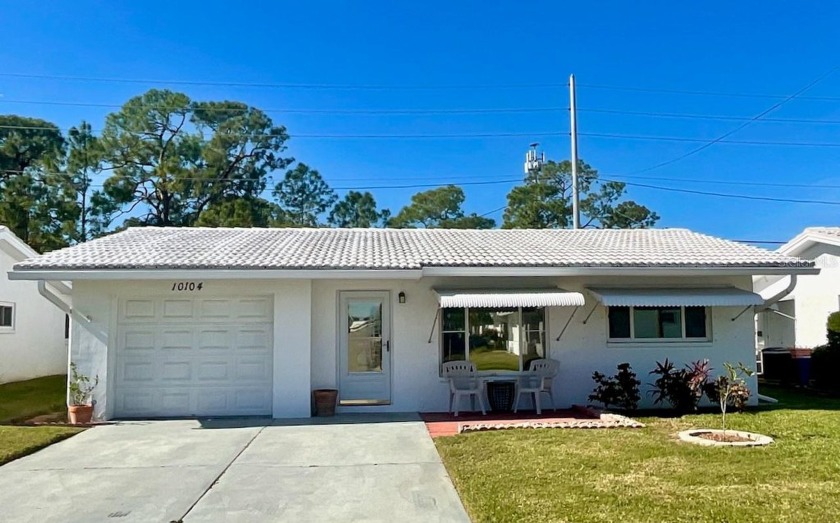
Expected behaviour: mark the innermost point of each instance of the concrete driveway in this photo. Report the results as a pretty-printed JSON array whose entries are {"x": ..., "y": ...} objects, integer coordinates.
[{"x": 347, "y": 468}]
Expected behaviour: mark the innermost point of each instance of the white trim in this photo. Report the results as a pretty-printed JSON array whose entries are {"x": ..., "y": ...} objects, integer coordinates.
[
  {"x": 9, "y": 329},
  {"x": 614, "y": 271},
  {"x": 215, "y": 274},
  {"x": 633, "y": 340}
]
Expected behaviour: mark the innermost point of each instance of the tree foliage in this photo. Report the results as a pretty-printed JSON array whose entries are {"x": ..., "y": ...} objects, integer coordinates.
[
  {"x": 439, "y": 208},
  {"x": 358, "y": 210},
  {"x": 304, "y": 196},
  {"x": 172, "y": 157},
  {"x": 37, "y": 200},
  {"x": 544, "y": 201}
]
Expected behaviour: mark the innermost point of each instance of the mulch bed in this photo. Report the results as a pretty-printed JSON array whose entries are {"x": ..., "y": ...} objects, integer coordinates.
[{"x": 723, "y": 437}]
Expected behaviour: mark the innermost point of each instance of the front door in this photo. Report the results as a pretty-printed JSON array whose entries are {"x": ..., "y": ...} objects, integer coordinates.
[{"x": 364, "y": 348}]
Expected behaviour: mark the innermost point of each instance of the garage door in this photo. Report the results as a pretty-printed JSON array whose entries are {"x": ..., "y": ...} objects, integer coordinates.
[{"x": 194, "y": 357}]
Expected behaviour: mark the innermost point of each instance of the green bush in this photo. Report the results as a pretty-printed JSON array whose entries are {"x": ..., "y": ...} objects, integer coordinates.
[
  {"x": 825, "y": 367},
  {"x": 620, "y": 390},
  {"x": 833, "y": 327}
]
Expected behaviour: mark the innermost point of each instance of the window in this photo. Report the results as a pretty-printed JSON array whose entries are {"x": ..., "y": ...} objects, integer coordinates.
[
  {"x": 658, "y": 323},
  {"x": 7, "y": 316},
  {"x": 494, "y": 339}
]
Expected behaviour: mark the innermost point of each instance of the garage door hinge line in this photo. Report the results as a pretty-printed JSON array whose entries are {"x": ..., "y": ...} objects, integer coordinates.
[{"x": 219, "y": 476}]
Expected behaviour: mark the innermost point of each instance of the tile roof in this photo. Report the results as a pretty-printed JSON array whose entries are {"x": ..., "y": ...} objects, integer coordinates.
[{"x": 205, "y": 248}]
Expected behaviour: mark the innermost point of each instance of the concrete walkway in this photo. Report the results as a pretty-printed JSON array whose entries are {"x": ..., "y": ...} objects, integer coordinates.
[{"x": 347, "y": 468}]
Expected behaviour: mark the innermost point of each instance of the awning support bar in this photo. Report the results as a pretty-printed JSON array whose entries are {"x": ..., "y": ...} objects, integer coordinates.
[
  {"x": 567, "y": 324},
  {"x": 748, "y": 307},
  {"x": 590, "y": 313},
  {"x": 788, "y": 316},
  {"x": 434, "y": 323}
]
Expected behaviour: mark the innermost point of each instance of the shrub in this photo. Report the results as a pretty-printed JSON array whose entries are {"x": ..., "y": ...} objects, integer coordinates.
[
  {"x": 833, "y": 327},
  {"x": 81, "y": 388},
  {"x": 621, "y": 390},
  {"x": 681, "y": 388},
  {"x": 825, "y": 367}
]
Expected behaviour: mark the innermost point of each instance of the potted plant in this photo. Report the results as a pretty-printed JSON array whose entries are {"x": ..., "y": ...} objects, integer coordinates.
[{"x": 80, "y": 407}]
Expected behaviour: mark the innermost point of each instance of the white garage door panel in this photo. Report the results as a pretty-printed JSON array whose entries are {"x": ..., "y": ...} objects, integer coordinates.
[{"x": 194, "y": 357}]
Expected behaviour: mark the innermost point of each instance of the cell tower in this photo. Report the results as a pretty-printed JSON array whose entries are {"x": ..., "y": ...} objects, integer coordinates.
[{"x": 533, "y": 160}]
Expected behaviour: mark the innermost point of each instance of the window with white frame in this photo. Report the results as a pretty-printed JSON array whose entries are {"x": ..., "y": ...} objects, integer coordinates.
[
  {"x": 497, "y": 339},
  {"x": 7, "y": 316},
  {"x": 658, "y": 323}
]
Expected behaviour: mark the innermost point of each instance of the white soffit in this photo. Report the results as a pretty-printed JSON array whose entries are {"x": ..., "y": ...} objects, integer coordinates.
[
  {"x": 509, "y": 298},
  {"x": 695, "y": 297}
]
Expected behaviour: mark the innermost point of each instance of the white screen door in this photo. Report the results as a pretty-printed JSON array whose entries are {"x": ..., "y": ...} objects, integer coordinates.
[{"x": 364, "y": 348}]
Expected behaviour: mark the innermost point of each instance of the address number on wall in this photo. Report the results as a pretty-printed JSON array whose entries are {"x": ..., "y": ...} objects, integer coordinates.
[{"x": 185, "y": 286}]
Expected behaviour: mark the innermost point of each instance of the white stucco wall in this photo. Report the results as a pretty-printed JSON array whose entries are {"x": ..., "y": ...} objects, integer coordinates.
[
  {"x": 36, "y": 347},
  {"x": 306, "y": 322},
  {"x": 416, "y": 384},
  {"x": 93, "y": 343}
]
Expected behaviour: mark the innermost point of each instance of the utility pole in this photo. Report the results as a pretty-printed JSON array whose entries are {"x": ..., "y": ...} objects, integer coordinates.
[{"x": 573, "y": 130}]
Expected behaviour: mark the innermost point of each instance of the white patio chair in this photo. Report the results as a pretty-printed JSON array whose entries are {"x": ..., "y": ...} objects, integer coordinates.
[
  {"x": 463, "y": 381},
  {"x": 537, "y": 381}
]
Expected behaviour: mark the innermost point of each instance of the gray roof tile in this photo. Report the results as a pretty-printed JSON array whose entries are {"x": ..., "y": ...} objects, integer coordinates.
[{"x": 205, "y": 248}]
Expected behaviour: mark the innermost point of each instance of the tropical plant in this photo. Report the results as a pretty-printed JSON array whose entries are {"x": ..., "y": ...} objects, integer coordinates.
[
  {"x": 730, "y": 389},
  {"x": 621, "y": 390},
  {"x": 81, "y": 387},
  {"x": 681, "y": 388}
]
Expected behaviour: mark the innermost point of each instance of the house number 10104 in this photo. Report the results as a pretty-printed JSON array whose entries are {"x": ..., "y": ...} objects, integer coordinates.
[{"x": 187, "y": 286}]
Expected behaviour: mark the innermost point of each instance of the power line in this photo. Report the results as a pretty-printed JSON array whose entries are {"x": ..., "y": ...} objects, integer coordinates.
[
  {"x": 687, "y": 139},
  {"x": 707, "y": 116},
  {"x": 701, "y": 93},
  {"x": 724, "y": 195},
  {"x": 319, "y": 111},
  {"x": 280, "y": 85},
  {"x": 485, "y": 135},
  {"x": 726, "y": 182},
  {"x": 742, "y": 126}
]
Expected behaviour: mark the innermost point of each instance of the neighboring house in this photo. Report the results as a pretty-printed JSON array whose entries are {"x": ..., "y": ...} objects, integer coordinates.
[
  {"x": 186, "y": 322},
  {"x": 32, "y": 330},
  {"x": 799, "y": 319}
]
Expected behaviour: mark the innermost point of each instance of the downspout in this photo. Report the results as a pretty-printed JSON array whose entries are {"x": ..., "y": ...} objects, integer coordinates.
[
  {"x": 772, "y": 300},
  {"x": 64, "y": 307},
  {"x": 775, "y": 299}
]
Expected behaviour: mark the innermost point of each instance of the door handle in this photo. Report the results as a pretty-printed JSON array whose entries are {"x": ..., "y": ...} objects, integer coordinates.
[{"x": 388, "y": 346}]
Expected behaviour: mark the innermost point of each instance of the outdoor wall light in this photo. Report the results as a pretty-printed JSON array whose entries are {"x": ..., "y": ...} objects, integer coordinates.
[{"x": 401, "y": 296}]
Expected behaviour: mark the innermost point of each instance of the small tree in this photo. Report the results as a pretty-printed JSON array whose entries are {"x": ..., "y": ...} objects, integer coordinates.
[
  {"x": 621, "y": 390},
  {"x": 833, "y": 328},
  {"x": 730, "y": 389}
]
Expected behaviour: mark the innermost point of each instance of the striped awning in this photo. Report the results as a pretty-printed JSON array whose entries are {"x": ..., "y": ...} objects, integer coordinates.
[
  {"x": 509, "y": 298},
  {"x": 694, "y": 297}
]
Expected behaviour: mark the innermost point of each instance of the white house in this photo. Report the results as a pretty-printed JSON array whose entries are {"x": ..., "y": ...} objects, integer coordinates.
[
  {"x": 799, "y": 318},
  {"x": 196, "y": 322},
  {"x": 32, "y": 330}
]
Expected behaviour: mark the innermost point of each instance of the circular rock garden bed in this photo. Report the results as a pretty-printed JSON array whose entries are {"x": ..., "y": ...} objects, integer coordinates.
[{"x": 721, "y": 438}]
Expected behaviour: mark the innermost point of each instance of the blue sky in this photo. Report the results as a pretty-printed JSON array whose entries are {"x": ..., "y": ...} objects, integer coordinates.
[{"x": 439, "y": 55}]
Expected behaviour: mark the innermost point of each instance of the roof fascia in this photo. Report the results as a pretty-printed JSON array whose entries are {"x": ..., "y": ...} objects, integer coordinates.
[
  {"x": 212, "y": 274},
  {"x": 805, "y": 240},
  {"x": 614, "y": 271}
]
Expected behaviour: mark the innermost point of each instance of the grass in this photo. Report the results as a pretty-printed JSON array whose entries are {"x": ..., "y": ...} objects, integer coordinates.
[
  {"x": 23, "y": 400},
  {"x": 642, "y": 475}
]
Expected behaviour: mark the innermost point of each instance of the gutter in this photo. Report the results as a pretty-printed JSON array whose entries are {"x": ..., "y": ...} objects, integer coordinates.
[{"x": 777, "y": 297}]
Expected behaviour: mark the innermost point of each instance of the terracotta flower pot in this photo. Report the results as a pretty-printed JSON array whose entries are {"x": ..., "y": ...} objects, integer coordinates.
[
  {"x": 80, "y": 414},
  {"x": 325, "y": 400}
]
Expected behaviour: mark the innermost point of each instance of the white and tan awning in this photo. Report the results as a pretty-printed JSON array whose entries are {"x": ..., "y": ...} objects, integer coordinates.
[
  {"x": 694, "y": 297},
  {"x": 509, "y": 298}
]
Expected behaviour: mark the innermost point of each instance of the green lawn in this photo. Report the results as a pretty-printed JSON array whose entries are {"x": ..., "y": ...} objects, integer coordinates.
[
  {"x": 23, "y": 400},
  {"x": 647, "y": 475}
]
